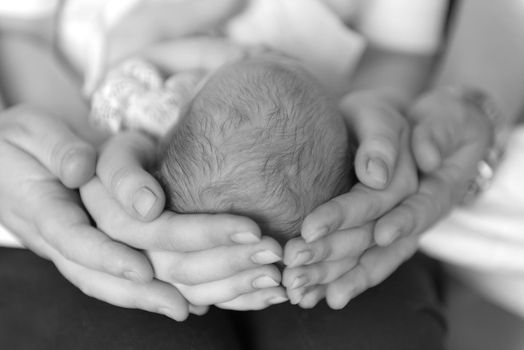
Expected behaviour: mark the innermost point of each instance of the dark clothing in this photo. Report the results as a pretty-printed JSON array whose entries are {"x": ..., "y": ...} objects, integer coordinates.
[{"x": 39, "y": 309}]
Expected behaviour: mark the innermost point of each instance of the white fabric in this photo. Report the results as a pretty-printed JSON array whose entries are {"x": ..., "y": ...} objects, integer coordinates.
[
  {"x": 304, "y": 29},
  {"x": 27, "y": 8},
  {"x": 408, "y": 25}
]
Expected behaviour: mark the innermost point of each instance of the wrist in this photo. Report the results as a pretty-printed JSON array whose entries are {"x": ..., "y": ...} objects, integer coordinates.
[{"x": 499, "y": 128}]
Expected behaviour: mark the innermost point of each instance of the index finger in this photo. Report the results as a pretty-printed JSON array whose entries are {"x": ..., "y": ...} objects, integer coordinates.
[
  {"x": 335, "y": 246},
  {"x": 360, "y": 205},
  {"x": 437, "y": 194},
  {"x": 170, "y": 231}
]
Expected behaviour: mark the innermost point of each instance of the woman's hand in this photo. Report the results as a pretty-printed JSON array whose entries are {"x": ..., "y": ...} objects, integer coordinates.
[
  {"x": 211, "y": 259},
  {"x": 383, "y": 163},
  {"x": 43, "y": 161},
  {"x": 450, "y": 137},
  {"x": 337, "y": 234}
]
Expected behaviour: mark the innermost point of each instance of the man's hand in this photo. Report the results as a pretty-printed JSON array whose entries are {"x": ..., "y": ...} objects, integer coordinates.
[
  {"x": 450, "y": 136},
  {"x": 43, "y": 161}
]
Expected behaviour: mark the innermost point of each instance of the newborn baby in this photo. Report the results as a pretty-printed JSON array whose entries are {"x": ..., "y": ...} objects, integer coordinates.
[{"x": 260, "y": 139}]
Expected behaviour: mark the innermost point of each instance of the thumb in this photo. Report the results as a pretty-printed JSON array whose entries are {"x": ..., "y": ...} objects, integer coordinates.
[{"x": 122, "y": 170}]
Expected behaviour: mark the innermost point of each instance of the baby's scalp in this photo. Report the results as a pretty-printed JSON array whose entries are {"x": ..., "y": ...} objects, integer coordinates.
[{"x": 260, "y": 139}]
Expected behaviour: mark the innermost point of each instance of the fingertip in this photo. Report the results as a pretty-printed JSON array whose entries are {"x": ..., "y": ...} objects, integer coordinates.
[
  {"x": 384, "y": 236},
  {"x": 148, "y": 202},
  {"x": 177, "y": 315},
  {"x": 139, "y": 271},
  {"x": 376, "y": 174},
  {"x": 323, "y": 220},
  {"x": 425, "y": 150},
  {"x": 292, "y": 247},
  {"x": 337, "y": 303},
  {"x": 336, "y": 299},
  {"x": 295, "y": 295},
  {"x": 375, "y": 162},
  {"x": 314, "y": 226},
  {"x": 198, "y": 310},
  {"x": 428, "y": 157},
  {"x": 245, "y": 230},
  {"x": 125, "y": 262},
  {"x": 78, "y": 166}
]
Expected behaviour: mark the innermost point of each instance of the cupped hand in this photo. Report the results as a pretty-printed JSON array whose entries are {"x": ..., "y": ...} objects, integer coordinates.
[
  {"x": 383, "y": 158},
  {"x": 338, "y": 234},
  {"x": 211, "y": 259},
  {"x": 450, "y": 136},
  {"x": 43, "y": 162}
]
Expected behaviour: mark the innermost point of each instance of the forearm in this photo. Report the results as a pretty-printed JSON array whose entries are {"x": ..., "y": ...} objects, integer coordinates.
[
  {"x": 30, "y": 75},
  {"x": 486, "y": 52},
  {"x": 397, "y": 76}
]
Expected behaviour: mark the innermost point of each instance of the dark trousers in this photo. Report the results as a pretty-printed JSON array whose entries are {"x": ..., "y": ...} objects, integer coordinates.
[{"x": 39, "y": 309}]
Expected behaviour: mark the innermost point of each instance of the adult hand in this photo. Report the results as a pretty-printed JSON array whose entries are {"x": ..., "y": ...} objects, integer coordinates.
[
  {"x": 383, "y": 158},
  {"x": 43, "y": 162},
  {"x": 365, "y": 271},
  {"x": 339, "y": 232},
  {"x": 450, "y": 136},
  {"x": 211, "y": 259}
]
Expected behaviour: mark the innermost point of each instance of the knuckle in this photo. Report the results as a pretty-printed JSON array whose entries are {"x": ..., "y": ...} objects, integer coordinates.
[
  {"x": 374, "y": 207},
  {"x": 236, "y": 263},
  {"x": 13, "y": 130}
]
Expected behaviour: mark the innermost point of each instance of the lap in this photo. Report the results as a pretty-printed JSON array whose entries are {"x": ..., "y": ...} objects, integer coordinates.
[
  {"x": 404, "y": 312},
  {"x": 40, "y": 309}
]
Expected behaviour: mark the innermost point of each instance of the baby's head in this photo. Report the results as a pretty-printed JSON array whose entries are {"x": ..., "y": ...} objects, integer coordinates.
[{"x": 260, "y": 139}]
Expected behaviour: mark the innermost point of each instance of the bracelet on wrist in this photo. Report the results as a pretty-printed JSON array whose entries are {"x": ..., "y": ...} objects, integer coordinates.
[{"x": 486, "y": 167}]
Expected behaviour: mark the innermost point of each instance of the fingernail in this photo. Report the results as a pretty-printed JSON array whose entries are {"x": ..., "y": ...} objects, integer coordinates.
[
  {"x": 277, "y": 300},
  {"x": 316, "y": 234},
  {"x": 265, "y": 257},
  {"x": 133, "y": 276},
  {"x": 245, "y": 238},
  {"x": 377, "y": 170},
  {"x": 299, "y": 282},
  {"x": 143, "y": 201},
  {"x": 302, "y": 258},
  {"x": 264, "y": 282},
  {"x": 296, "y": 298}
]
